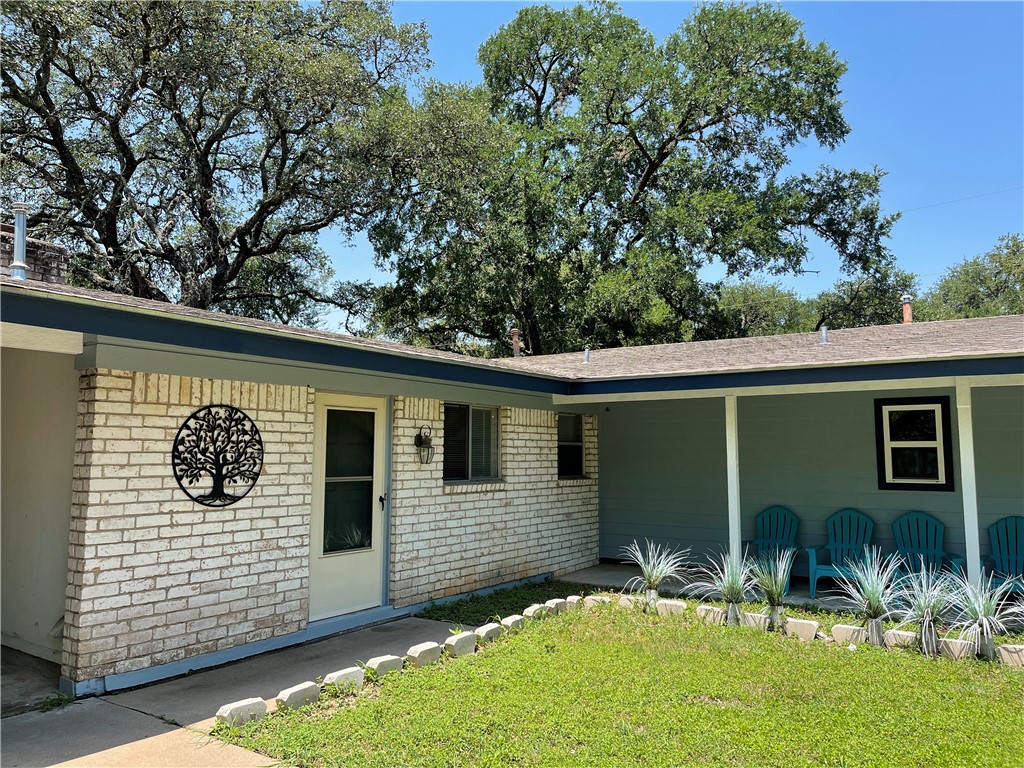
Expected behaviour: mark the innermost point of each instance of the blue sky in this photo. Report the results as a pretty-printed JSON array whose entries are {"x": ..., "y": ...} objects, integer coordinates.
[{"x": 934, "y": 94}]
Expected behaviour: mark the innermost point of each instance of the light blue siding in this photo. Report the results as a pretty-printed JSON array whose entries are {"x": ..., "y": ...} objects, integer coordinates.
[
  {"x": 663, "y": 474},
  {"x": 999, "y": 455},
  {"x": 816, "y": 454},
  {"x": 663, "y": 467}
]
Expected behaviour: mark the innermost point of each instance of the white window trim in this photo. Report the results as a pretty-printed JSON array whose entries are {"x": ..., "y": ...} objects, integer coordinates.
[{"x": 937, "y": 443}]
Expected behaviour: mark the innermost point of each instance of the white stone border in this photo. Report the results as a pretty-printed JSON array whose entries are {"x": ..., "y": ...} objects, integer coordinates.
[{"x": 351, "y": 679}]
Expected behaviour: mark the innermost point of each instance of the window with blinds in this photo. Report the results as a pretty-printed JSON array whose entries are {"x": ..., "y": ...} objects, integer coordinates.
[{"x": 470, "y": 442}]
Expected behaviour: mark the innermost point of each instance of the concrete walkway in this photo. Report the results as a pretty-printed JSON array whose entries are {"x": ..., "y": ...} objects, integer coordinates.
[{"x": 166, "y": 725}]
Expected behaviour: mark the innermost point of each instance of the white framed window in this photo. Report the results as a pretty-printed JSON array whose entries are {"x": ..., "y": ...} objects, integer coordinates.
[
  {"x": 570, "y": 446},
  {"x": 914, "y": 444},
  {"x": 470, "y": 443}
]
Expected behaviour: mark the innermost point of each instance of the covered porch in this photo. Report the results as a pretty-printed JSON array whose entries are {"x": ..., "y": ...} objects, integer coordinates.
[{"x": 693, "y": 468}]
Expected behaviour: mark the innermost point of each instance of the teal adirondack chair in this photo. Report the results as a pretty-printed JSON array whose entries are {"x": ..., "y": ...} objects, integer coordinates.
[
  {"x": 849, "y": 532},
  {"x": 919, "y": 541},
  {"x": 775, "y": 528},
  {"x": 1007, "y": 560}
]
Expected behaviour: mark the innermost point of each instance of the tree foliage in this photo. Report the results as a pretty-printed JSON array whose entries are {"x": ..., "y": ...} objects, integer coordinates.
[
  {"x": 196, "y": 148},
  {"x": 984, "y": 286},
  {"x": 874, "y": 298},
  {"x": 759, "y": 308},
  {"x": 610, "y": 169}
]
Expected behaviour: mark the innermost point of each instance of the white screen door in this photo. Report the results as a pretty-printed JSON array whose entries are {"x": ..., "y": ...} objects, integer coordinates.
[{"x": 347, "y": 536}]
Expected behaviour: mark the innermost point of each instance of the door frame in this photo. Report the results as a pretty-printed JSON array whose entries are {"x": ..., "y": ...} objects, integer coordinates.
[{"x": 381, "y": 407}]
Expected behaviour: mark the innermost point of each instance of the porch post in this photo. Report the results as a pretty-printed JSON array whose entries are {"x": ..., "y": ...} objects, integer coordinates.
[
  {"x": 968, "y": 479},
  {"x": 732, "y": 468}
]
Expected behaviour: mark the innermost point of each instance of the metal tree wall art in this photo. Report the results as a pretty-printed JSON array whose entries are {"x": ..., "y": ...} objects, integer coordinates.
[{"x": 217, "y": 455}]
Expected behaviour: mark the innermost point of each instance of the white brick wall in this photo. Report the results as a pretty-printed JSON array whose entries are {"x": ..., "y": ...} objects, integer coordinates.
[
  {"x": 155, "y": 577},
  {"x": 448, "y": 539}
]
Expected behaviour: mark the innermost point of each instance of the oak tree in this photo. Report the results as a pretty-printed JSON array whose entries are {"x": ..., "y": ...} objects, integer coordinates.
[
  {"x": 190, "y": 151},
  {"x": 610, "y": 169}
]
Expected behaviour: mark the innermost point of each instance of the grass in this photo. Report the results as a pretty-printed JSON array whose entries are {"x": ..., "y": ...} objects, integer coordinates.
[
  {"x": 55, "y": 701},
  {"x": 624, "y": 688}
]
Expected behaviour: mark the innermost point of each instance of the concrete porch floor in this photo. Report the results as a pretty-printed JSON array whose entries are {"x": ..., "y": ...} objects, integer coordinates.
[
  {"x": 616, "y": 575},
  {"x": 25, "y": 681}
]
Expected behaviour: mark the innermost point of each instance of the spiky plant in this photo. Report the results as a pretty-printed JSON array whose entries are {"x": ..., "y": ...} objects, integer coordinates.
[
  {"x": 925, "y": 598},
  {"x": 658, "y": 565},
  {"x": 770, "y": 573},
  {"x": 354, "y": 536},
  {"x": 981, "y": 611},
  {"x": 871, "y": 588},
  {"x": 727, "y": 575}
]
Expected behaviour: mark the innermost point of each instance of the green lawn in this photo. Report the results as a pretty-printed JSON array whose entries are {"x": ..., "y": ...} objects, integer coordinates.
[{"x": 620, "y": 688}]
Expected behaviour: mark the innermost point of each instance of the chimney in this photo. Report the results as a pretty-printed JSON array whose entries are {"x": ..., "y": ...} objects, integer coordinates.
[
  {"x": 586, "y": 355},
  {"x": 908, "y": 311},
  {"x": 515, "y": 342},
  {"x": 824, "y": 334},
  {"x": 19, "y": 269}
]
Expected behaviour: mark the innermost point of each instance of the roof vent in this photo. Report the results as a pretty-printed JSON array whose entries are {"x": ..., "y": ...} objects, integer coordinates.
[
  {"x": 586, "y": 355},
  {"x": 824, "y": 334},
  {"x": 19, "y": 269}
]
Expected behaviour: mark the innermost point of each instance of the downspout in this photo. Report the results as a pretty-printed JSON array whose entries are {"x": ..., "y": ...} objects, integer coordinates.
[{"x": 19, "y": 269}]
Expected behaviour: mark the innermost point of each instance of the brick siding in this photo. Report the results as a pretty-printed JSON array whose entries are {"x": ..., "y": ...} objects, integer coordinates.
[
  {"x": 449, "y": 538},
  {"x": 155, "y": 577}
]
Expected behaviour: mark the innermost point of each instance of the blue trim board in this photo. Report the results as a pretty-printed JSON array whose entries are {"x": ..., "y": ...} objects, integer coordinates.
[
  {"x": 315, "y": 630},
  {"x": 50, "y": 312},
  {"x": 984, "y": 366}
]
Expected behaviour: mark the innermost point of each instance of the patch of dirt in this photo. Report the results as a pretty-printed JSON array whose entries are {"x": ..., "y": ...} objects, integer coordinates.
[{"x": 715, "y": 702}]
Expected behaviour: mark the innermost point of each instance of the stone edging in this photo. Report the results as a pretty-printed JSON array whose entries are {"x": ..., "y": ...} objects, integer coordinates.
[{"x": 351, "y": 679}]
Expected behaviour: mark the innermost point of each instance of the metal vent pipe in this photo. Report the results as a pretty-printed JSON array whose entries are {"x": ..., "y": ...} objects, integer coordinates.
[{"x": 19, "y": 269}]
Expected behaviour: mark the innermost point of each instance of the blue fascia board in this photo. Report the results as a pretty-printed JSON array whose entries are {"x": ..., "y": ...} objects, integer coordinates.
[
  {"x": 315, "y": 630},
  {"x": 47, "y": 312},
  {"x": 985, "y": 366}
]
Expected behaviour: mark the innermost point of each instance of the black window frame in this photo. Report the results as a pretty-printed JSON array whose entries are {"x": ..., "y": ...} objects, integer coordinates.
[
  {"x": 944, "y": 442},
  {"x": 464, "y": 473},
  {"x": 581, "y": 445}
]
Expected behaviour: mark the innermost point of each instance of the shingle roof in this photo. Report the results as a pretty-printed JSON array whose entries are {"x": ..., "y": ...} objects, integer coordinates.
[
  {"x": 131, "y": 303},
  {"x": 980, "y": 337}
]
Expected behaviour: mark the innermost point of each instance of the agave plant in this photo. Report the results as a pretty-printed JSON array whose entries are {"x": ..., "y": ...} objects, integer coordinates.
[
  {"x": 982, "y": 610},
  {"x": 353, "y": 536},
  {"x": 925, "y": 597},
  {"x": 871, "y": 589},
  {"x": 658, "y": 564},
  {"x": 729, "y": 576},
  {"x": 770, "y": 573}
]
